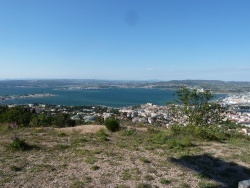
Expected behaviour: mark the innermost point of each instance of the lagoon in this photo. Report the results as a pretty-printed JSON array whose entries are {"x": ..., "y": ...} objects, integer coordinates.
[{"x": 117, "y": 97}]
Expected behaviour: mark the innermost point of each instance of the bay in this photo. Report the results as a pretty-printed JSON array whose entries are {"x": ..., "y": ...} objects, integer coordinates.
[{"x": 118, "y": 97}]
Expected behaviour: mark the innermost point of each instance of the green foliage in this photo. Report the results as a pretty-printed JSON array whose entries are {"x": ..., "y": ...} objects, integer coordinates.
[
  {"x": 91, "y": 160},
  {"x": 16, "y": 115},
  {"x": 18, "y": 144},
  {"x": 83, "y": 183},
  {"x": 122, "y": 186},
  {"x": 144, "y": 185},
  {"x": 131, "y": 174},
  {"x": 159, "y": 137},
  {"x": 95, "y": 167},
  {"x": 129, "y": 132},
  {"x": 41, "y": 120},
  {"x": 176, "y": 129},
  {"x": 232, "y": 125},
  {"x": 148, "y": 177},
  {"x": 99, "y": 120},
  {"x": 165, "y": 181},
  {"x": 63, "y": 120},
  {"x": 112, "y": 124},
  {"x": 4, "y": 128},
  {"x": 197, "y": 107},
  {"x": 182, "y": 137},
  {"x": 101, "y": 135},
  {"x": 171, "y": 141},
  {"x": 208, "y": 133},
  {"x": 178, "y": 143},
  {"x": 145, "y": 160}
]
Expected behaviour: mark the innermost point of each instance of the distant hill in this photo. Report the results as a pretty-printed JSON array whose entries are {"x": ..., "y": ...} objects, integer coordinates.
[{"x": 214, "y": 85}]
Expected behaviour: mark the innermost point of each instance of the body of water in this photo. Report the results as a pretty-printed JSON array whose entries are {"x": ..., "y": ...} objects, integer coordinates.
[{"x": 106, "y": 97}]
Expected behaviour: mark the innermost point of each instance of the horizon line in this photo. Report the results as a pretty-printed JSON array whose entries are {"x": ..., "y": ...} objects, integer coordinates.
[{"x": 133, "y": 80}]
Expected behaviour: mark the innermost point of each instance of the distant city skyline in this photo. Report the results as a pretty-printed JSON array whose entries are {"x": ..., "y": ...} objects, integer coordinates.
[{"x": 125, "y": 40}]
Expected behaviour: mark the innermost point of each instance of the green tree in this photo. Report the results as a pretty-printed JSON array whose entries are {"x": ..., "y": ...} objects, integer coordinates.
[
  {"x": 63, "y": 120},
  {"x": 40, "y": 120},
  {"x": 17, "y": 115},
  {"x": 197, "y": 107}
]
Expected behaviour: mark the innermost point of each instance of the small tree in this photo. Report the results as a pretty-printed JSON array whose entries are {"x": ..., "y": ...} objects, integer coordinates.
[
  {"x": 197, "y": 107},
  {"x": 112, "y": 124}
]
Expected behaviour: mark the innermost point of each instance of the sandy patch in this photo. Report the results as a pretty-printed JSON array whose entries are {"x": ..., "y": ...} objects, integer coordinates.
[
  {"x": 82, "y": 129},
  {"x": 144, "y": 129}
]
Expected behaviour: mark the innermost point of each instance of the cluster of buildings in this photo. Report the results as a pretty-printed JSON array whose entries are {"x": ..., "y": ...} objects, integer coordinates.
[
  {"x": 240, "y": 99},
  {"x": 242, "y": 118},
  {"x": 238, "y": 108},
  {"x": 151, "y": 114}
]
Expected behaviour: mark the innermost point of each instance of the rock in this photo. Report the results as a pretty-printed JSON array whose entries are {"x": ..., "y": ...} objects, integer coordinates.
[{"x": 244, "y": 184}]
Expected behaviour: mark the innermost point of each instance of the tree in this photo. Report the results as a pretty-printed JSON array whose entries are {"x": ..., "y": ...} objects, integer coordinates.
[
  {"x": 198, "y": 108},
  {"x": 63, "y": 120},
  {"x": 40, "y": 120},
  {"x": 17, "y": 115}
]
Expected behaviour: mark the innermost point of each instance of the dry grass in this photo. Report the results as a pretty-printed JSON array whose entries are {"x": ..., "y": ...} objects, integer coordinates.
[
  {"x": 70, "y": 158},
  {"x": 82, "y": 129}
]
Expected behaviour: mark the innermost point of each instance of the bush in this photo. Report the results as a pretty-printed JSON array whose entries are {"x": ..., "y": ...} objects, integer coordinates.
[
  {"x": 207, "y": 133},
  {"x": 159, "y": 138},
  {"x": 19, "y": 145},
  {"x": 112, "y": 124},
  {"x": 177, "y": 129}
]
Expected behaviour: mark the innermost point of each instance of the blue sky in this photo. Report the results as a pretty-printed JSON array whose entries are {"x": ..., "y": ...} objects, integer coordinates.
[{"x": 125, "y": 39}]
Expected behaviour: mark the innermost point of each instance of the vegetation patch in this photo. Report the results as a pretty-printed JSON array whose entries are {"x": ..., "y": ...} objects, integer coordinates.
[
  {"x": 91, "y": 160},
  {"x": 19, "y": 144},
  {"x": 95, "y": 167},
  {"x": 131, "y": 174},
  {"x": 112, "y": 124},
  {"x": 165, "y": 181},
  {"x": 144, "y": 185}
]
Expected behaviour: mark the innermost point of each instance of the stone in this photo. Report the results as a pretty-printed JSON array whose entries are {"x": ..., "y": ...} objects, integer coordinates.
[{"x": 244, "y": 184}]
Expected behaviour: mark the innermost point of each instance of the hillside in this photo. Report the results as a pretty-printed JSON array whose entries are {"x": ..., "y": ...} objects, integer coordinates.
[{"x": 129, "y": 158}]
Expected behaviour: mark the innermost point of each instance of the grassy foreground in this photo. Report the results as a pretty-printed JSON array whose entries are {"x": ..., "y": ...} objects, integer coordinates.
[{"x": 45, "y": 157}]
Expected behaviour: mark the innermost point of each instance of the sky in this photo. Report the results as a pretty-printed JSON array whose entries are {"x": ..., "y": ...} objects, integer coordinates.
[{"x": 125, "y": 39}]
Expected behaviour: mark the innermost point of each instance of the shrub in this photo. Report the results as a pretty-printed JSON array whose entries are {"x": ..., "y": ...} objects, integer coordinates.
[
  {"x": 112, "y": 124},
  {"x": 208, "y": 133},
  {"x": 177, "y": 129},
  {"x": 19, "y": 145}
]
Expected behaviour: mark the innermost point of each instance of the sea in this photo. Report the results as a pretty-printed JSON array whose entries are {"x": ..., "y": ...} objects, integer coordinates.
[{"x": 113, "y": 97}]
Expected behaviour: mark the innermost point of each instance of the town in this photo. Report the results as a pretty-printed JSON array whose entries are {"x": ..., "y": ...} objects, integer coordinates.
[{"x": 237, "y": 112}]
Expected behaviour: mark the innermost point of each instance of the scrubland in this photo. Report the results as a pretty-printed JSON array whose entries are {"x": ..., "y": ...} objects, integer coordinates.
[{"x": 130, "y": 157}]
